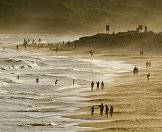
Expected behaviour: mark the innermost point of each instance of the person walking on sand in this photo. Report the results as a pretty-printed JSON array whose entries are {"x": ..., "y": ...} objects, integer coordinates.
[
  {"x": 101, "y": 107},
  {"x": 102, "y": 85},
  {"x": 148, "y": 76},
  {"x": 92, "y": 85},
  {"x": 106, "y": 110},
  {"x": 98, "y": 85},
  {"x": 111, "y": 111},
  {"x": 92, "y": 110},
  {"x": 37, "y": 80}
]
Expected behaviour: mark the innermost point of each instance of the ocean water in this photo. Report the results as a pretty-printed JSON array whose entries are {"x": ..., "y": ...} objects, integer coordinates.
[{"x": 24, "y": 102}]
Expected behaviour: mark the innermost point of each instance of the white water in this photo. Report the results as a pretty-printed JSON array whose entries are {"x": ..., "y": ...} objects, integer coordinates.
[{"x": 24, "y": 102}]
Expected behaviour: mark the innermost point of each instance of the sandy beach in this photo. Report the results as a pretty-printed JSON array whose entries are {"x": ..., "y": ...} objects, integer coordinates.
[{"x": 137, "y": 102}]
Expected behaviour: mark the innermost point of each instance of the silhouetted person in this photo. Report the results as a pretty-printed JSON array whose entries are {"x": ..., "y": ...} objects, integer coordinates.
[
  {"x": 102, "y": 85},
  {"x": 39, "y": 40},
  {"x": 98, "y": 84},
  {"x": 106, "y": 110},
  {"x": 92, "y": 110},
  {"x": 149, "y": 63},
  {"x": 37, "y": 80},
  {"x": 101, "y": 107},
  {"x": 18, "y": 77},
  {"x": 92, "y": 85},
  {"x": 73, "y": 82},
  {"x": 148, "y": 76},
  {"x": 135, "y": 70},
  {"x": 17, "y": 47},
  {"x": 111, "y": 111},
  {"x": 56, "y": 82},
  {"x": 91, "y": 52}
]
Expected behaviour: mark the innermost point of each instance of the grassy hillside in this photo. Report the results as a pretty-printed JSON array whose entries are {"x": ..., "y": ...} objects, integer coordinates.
[{"x": 78, "y": 16}]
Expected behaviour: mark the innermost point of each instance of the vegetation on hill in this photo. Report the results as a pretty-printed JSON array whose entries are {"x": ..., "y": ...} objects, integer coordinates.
[{"x": 78, "y": 16}]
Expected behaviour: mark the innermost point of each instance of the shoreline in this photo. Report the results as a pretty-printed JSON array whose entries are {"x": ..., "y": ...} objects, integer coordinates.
[{"x": 123, "y": 89}]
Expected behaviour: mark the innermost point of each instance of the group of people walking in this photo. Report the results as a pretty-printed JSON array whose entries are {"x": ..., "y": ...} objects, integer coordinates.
[
  {"x": 98, "y": 85},
  {"x": 103, "y": 109}
]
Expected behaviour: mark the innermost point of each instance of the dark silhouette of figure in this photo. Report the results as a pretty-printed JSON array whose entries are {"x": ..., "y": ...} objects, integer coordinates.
[
  {"x": 73, "y": 82},
  {"x": 111, "y": 111},
  {"x": 37, "y": 80},
  {"x": 107, "y": 29},
  {"x": 92, "y": 110},
  {"x": 148, "y": 76},
  {"x": 101, "y": 107},
  {"x": 17, "y": 47},
  {"x": 56, "y": 82},
  {"x": 102, "y": 85},
  {"x": 91, "y": 52},
  {"x": 92, "y": 85},
  {"x": 39, "y": 40},
  {"x": 18, "y": 77},
  {"x": 98, "y": 84},
  {"x": 135, "y": 70},
  {"x": 106, "y": 110},
  {"x": 149, "y": 63}
]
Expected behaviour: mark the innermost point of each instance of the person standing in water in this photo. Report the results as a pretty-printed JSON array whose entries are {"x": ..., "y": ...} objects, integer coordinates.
[
  {"x": 37, "y": 80},
  {"x": 17, "y": 47},
  {"x": 102, "y": 85},
  {"x": 106, "y": 110},
  {"x": 56, "y": 82},
  {"x": 148, "y": 76},
  {"x": 92, "y": 85},
  {"x": 111, "y": 110},
  {"x": 18, "y": 77}
]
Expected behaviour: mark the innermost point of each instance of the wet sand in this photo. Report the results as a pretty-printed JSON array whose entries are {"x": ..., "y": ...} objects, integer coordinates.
[{"x": 137, "y": 102}]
